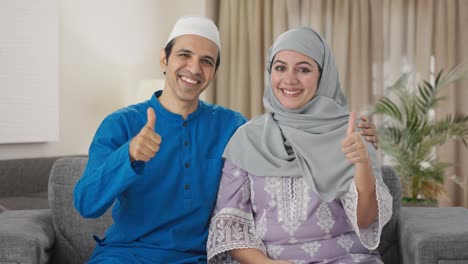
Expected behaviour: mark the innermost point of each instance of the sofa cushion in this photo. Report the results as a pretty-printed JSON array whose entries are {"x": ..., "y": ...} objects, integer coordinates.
[
  {"x": 434, "y": 235},
  {"x": 74, "y": 234},
  {"x": 27, "y": 236},
  {"x": 26, "y": 201}
]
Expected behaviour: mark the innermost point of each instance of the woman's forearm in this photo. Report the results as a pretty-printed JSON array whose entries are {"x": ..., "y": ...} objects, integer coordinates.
[
  {"x": 249, "y": 255},
  {"x": 367, "y": 207},
  {"x": 253, "y": 256}
]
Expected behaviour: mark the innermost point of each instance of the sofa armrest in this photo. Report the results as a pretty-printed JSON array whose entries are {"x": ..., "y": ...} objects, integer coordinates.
[
  {"x": 430, "y": 235},
  {"x": 26, "y": 236}
]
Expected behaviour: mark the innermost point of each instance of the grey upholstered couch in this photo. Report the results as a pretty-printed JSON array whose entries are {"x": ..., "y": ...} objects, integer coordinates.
[
  {"x": 60, "y": 235},
  {"x": 23, "y": 182}
]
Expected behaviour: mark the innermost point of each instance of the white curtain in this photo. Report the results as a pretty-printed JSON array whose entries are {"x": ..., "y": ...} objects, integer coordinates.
[
  {"x": 248, "y": 28},
  {"x": 415, "y": 33},
  {"x": 373, "y": 42}
]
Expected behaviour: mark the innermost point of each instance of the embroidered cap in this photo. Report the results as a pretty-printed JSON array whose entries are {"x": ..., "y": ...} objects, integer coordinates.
[{"x": 193, "y": 25}]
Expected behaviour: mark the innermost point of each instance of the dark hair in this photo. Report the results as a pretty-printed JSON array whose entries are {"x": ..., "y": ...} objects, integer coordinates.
[{"x": 168, "y": 50}]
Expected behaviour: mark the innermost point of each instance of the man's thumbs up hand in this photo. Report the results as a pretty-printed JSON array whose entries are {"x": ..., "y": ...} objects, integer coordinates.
[
  {"x": 145, "y": 145},
  {"x": 353, "y": 146},
  {"x": 151, "y": 123}
]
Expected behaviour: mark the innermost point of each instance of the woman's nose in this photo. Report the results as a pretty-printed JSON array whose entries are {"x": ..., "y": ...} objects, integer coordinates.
[{"x": 290, "y": 77}]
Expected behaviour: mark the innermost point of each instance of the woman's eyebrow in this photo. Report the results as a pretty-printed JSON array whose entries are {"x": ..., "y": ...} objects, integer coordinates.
[
  {"x": 279, "y": 61},
  {"x": 301, "y": 62}
]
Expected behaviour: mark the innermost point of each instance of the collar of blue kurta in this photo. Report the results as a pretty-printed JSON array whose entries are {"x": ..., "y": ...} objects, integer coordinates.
[{"x": 161, "y": 110}]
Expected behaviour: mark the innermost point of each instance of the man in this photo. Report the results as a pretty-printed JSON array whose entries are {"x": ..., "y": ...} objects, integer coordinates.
[{"x": 159, "y": 162}]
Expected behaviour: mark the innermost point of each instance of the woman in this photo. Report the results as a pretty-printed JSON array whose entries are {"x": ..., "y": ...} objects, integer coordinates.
[{"x": 299, "y": 183}]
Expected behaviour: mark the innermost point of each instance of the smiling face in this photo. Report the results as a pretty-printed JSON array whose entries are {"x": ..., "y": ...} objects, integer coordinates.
[
  {"x": 189, "y": 70},
  {"x": 294, "y": 78}
]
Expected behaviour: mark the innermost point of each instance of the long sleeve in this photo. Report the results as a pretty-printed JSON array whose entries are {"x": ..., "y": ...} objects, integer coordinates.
[
  {"x": 232, "y": 225},
  {"x": 160, "y": 208},
  {"x": 109, "y": 170},
  {"x": 370, "y": 236}
]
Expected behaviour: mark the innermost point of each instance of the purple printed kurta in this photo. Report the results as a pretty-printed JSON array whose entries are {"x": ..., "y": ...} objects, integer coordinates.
[{"x": 282, "y": 217}]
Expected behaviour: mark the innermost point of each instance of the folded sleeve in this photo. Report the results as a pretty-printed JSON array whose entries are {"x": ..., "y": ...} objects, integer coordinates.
[
  {"x": 370, "y": 236},
  {"x": 232, "y": 225}
]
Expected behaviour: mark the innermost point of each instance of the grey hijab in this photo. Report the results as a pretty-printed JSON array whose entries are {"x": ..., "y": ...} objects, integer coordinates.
[{"x": 306, "y": 141}]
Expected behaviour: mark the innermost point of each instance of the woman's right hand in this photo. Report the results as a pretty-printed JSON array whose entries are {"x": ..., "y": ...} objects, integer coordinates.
[
  {"x": 280, "y": 262},
  {"x": 254, "y": 256}
]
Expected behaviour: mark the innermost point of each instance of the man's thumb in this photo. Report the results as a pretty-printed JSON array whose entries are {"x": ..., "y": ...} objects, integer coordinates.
[
  {"x": 351, "y": 123},
  {"x": 151, "y": 118}
]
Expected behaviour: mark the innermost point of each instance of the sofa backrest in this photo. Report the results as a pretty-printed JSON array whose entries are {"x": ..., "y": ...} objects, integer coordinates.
[
  {"x": 74, "y": 242},
  {"x": 25, "y": 176},
  {"x": 74, "y": 234},
  {"x": 389, "y": 248}
]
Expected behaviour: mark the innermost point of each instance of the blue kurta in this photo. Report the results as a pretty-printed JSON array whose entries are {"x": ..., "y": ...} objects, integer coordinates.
[{"x": 162, "y": 207}]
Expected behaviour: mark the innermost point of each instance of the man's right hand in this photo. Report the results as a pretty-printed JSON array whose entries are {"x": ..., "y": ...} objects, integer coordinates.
[{"x": 145, "y": 145}]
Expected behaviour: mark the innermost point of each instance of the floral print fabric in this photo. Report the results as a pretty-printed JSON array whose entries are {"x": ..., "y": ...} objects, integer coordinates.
[{"x": 282, "y": 217}]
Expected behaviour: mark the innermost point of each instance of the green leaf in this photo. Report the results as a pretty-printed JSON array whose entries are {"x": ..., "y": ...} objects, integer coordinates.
[{"x": 409, "y": 135}]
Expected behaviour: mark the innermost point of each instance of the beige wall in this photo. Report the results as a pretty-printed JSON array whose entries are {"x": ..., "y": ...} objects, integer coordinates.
[{"x": 106, "y": 48}]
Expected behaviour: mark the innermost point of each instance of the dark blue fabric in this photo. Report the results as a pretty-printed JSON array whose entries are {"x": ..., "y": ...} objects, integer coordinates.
[{"x": 162, "y": 207}]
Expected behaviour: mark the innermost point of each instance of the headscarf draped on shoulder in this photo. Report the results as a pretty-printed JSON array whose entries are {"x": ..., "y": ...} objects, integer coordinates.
[{"x": 303, "y": 142}]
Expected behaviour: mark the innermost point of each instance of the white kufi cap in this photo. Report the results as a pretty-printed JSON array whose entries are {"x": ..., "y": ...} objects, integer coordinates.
[{"x": 200, "y": 26}]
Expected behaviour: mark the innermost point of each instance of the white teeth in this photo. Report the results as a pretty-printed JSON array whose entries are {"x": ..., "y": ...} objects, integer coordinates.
[
  {"x": 291, "y": 92},
  {"x": 189, "y": 80}
]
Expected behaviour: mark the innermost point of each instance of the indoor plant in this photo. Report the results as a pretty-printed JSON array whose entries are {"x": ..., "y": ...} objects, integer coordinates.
[{"x": 410, "y": 132}]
